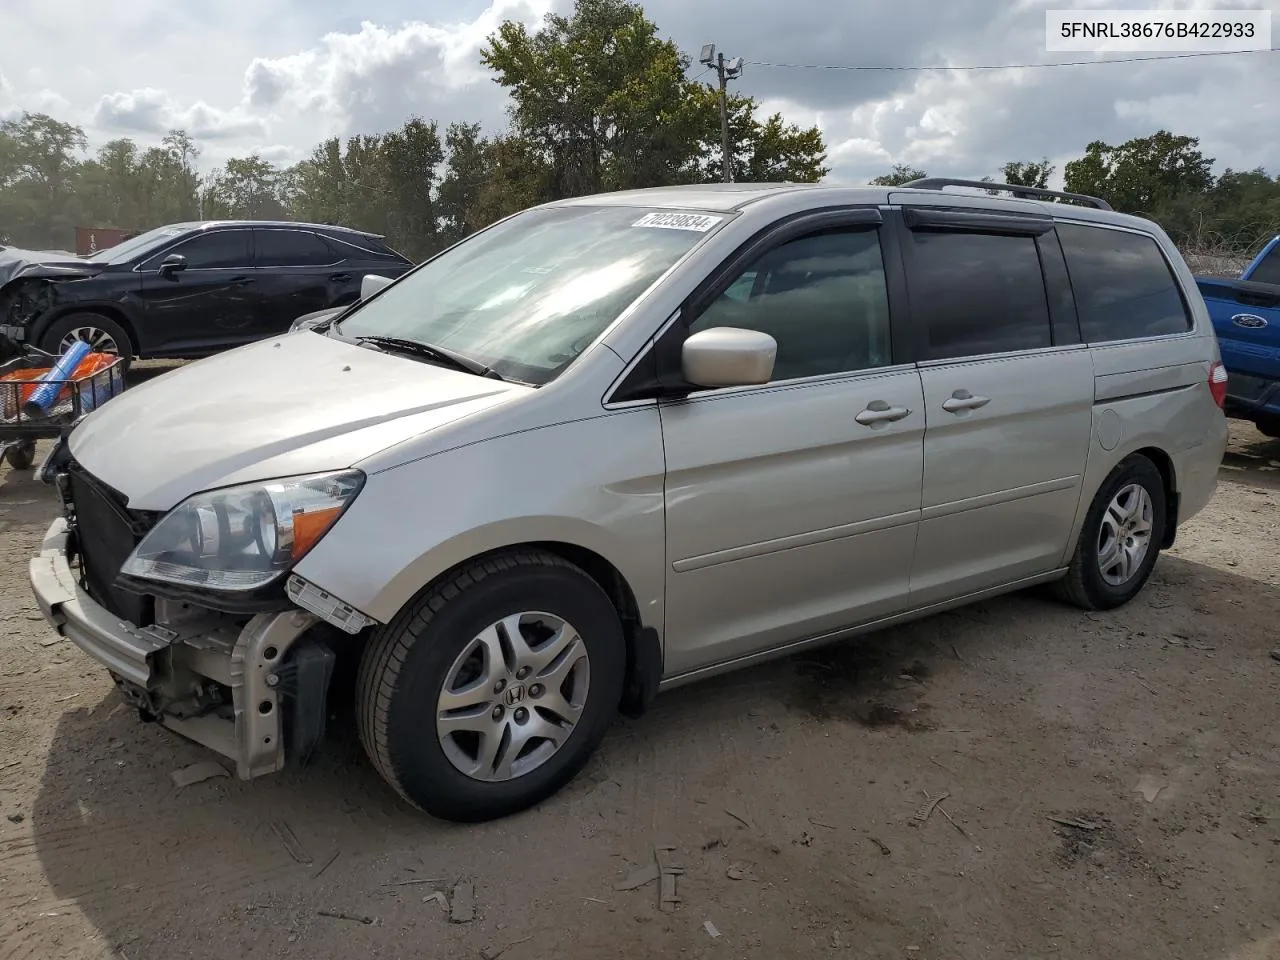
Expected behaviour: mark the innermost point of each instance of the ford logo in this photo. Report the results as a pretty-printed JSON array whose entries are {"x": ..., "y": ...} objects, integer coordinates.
[{"x": 1250, "y": 320}]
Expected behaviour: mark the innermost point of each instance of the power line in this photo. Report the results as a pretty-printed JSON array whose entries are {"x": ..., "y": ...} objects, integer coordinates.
[{"x": 1007, "y": 66}]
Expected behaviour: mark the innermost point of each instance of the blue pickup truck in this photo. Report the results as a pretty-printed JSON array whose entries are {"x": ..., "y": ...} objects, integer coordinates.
[{"x": 1246, "y": 317}]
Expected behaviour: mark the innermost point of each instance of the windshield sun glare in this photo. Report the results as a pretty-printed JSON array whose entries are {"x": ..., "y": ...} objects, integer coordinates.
[{"x": 527, "y": 296}]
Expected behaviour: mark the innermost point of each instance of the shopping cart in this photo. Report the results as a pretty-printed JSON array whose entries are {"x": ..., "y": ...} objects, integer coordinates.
[{"x": 38, "y": 401}]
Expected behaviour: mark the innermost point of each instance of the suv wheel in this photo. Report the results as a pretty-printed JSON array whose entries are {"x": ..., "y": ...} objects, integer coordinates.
[
  {"x": 102, "y": 334},
  {"x": 489, "y": 692},
  {"x": 1120, "y": 539}
]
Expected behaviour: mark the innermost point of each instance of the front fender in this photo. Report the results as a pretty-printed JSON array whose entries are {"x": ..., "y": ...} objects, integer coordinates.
[{"x": 596, "y": 484}]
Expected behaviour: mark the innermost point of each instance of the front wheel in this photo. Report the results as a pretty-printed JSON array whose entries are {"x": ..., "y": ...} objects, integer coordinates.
[
  {"x": 489, "y": 692},
  {"x": 102, "y": 334},
  {"x": 1120, "y": 539}
]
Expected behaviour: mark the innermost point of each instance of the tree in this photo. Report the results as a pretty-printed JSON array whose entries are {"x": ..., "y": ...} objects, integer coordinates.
[
  {"x": 599, "y": 96},
  {"x": 1029, "y": 173},
  {"x": 246, "y": 188},
  {"x": 410, "y": 158},
  {"x": 516, "y": 176},
  {"x": 384, "y": 184},
  {"x": 1143, "y": 174},
  {"x": 39, "y": 171},
  {"x": 465, "y": 172},
  {"x": 785, "y": 152},
  {"x": 319, "y": 185},
  {"x": 772, "y": 151},
  {"x": 900, "y": 174},
  {"x": 111, "y": 193}
]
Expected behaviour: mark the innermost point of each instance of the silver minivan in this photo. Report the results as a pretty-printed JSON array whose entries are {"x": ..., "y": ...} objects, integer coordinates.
[{"x": 617, "y": 443}]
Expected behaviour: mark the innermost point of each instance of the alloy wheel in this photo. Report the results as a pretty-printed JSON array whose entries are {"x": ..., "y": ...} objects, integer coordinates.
[
  {"x": 99, "y": 340},
  {"x": 1124, "y": 537},
  {"x": 513, "y": 696}
]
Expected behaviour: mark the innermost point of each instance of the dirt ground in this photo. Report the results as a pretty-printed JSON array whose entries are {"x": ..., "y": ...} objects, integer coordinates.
[{"x": 791, "y": 795}]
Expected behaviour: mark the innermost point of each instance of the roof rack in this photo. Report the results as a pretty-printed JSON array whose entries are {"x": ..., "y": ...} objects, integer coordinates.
[{"x": 937, "y": 183}]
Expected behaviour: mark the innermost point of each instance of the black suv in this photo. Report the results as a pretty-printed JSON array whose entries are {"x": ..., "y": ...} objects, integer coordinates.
[{"x": 189, "y": 289}]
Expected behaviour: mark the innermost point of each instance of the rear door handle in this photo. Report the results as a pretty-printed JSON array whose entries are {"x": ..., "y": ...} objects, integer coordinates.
[
  {"x": 241, "y": 281},
  {"x": 962, "y": 401},
  {"x": 878, "y": 411}
]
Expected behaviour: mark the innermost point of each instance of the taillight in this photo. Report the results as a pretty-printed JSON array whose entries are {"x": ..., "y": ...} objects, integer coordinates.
[{"x": 1218, "y": 383}]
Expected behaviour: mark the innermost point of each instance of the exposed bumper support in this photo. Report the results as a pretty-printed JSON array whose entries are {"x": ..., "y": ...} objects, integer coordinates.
[
  {"x": 120, "y": 647},
  {"x": 247, "y": 663}
]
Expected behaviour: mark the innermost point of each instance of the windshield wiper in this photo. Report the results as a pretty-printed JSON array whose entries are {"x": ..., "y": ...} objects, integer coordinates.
[{"x": 429, "y": 351}]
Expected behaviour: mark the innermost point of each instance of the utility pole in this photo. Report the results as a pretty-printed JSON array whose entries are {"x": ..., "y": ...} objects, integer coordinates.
[{"x": 726, "y": 70}]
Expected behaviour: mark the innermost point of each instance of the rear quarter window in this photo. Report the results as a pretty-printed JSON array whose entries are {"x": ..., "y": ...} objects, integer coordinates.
[
  {"x": 366, "y": 248},
  {"x": 1123, "y": 286},
  {"x": 1268, "y": 271}
]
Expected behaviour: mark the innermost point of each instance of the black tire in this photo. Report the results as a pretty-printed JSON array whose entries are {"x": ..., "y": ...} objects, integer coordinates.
[
  {"x": 50, "y": 339},
  {"x": 21, "y": 455},
  {"x": 406, "y": 663},
  {"x": 1268, "y": 427},
  {"x": 1084, "y": 585}
]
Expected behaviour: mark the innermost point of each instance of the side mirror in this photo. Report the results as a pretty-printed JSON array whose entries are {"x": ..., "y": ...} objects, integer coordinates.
[
  {"x": 371, "y": 284},
  {"x": 173, "y": 264},
  {"x": 729, "y": 357}
]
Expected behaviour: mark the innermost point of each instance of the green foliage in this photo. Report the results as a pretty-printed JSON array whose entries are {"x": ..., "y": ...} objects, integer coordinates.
[
  {"x": 900, "y": 174},
  {"x": 1143, "y": 173},
  {"x": 245, "y": 187},
  {"x": 1028, "y": 173},
  {"x": 1168, "y": 179},
  {"x": 38, "y": 179},
  {"x": 598, "y": 101}
]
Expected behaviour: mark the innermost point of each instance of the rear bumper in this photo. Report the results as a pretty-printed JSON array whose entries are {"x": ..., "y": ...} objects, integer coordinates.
[
  {"x": 246, "y": 661},
  {"x": 1197, "y": 471}
]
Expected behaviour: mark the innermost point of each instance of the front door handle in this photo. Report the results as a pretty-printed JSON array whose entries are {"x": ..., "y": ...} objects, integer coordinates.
[
  {"x": 962, "y": 401},
  {"x": 241, "y": 281},
  {"x": 878, "y": 411},
  {"x": 339, "y": 277}
]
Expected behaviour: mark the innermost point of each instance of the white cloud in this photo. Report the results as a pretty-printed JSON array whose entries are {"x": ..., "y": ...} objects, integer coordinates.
[
  {"x": 290, "y": 72},
  {"x": 375, "y": 78},
  {"x": 151, "y": 111}
]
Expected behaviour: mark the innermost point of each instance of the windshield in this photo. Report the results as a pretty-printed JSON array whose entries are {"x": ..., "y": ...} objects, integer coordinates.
[
  {"x": 131, "y": 248},
  {"x": 528, "y": 295}
]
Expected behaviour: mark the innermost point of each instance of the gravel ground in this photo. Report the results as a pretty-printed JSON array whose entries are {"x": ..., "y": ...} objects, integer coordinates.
[{"x": 793, "y": 795}]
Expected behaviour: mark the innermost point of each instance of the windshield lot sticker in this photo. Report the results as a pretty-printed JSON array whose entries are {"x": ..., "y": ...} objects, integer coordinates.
[{"x": 700, "y": 222}]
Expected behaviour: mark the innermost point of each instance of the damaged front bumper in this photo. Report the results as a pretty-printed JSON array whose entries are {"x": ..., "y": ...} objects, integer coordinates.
[{"x": 251, "y": 690}]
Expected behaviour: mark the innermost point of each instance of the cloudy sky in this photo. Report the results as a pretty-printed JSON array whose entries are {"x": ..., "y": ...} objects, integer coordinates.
[{"x": 275, "y": 76}]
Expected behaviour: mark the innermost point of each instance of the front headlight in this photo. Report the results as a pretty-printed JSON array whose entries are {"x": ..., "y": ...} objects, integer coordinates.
[{"x": 241, "y": 538}]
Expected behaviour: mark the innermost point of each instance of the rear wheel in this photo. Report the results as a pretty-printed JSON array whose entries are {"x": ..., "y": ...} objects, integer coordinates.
[
  {"x": 102, "y": 334},
  {"x": 1120, "y": 540},
  {"x": 490, "y": 692},
  {"x": 21, "y": 455}
]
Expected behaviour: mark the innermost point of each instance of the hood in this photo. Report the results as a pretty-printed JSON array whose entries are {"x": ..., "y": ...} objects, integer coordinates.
[
  {"x": 296, "y": 404},
  {"x": 15, "y": 264}
]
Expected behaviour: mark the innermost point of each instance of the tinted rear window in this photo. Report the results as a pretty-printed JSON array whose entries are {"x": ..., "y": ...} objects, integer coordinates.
[
  {"x": 1268, "y": 271},
  {"x": 1123, "y": 286},
  {"x": 291, "y": 248},
  {"x": 365, "y": 248},
  {"x": 979, "y": 293}
]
